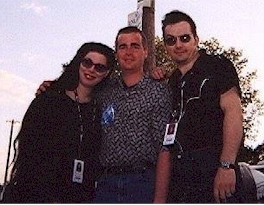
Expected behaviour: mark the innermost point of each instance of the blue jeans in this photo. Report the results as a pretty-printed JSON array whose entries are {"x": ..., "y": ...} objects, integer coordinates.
[{"x": 126, "y": 188}]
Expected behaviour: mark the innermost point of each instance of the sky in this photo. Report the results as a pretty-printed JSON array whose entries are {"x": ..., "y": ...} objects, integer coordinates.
[{"x": 37, "y": 36}]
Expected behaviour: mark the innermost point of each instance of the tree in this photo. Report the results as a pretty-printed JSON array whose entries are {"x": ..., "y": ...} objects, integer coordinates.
[{"x": 251, "y": 104}]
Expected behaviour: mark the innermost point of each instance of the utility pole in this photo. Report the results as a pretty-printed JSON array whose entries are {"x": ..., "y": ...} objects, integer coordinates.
[
  {"x": 9, "y": 147},
  {"x": 144, "y": 19},
  {"x": 8, "y": 157},
  {"x": 148, "y": 27}
]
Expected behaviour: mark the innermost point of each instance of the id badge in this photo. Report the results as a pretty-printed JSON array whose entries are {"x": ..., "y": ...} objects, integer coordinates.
[
  {"x": 78, "y": 169},
  {"x": 170, "y": 133}
]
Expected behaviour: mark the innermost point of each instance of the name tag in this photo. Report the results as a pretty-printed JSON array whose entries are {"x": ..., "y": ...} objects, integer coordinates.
[
  {"x": 78, "y": 169},
  {"x": 170, "y": 133}
]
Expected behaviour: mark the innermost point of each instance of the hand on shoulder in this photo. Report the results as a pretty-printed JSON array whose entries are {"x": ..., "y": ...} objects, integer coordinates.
[
  {"x": 43, "y": 86},
  {"x": 158, "y": 73}
]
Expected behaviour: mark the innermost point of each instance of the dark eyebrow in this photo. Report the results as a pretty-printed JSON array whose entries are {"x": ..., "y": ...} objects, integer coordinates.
[
  {"x": 123, "y": 44},
  {"x": 186, "y": 34},
  {"x": 132, "y": 44},
  {"x": 135, "y": 44}
]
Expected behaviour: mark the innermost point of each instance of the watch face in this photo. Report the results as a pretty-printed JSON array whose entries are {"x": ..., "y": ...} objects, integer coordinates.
[{"x": 227, "y": 165}]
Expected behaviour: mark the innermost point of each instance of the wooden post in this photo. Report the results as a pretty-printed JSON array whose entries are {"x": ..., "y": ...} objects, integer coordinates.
[
  {"x": 8, "y": 157},
  {"x": 148, "y": 27},
  {"x": 9, "y": 148}
]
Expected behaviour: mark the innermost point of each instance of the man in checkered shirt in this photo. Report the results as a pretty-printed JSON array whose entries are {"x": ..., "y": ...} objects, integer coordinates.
[{"x": 135, "y": 111}]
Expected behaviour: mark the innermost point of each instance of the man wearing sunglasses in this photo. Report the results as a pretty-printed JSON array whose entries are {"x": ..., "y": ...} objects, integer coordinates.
[{"x": 199, "y": 166}]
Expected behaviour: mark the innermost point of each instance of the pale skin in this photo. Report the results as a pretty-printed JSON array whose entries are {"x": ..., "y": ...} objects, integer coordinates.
[
  {"x": 185, "y": 55},
  {"x": 88, "y": 78}
]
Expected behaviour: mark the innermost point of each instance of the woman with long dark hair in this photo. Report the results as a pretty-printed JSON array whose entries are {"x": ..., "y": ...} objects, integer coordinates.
[{"x": 59, "y": 141}]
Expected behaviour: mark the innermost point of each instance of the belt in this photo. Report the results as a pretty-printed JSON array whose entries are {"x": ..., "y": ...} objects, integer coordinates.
[{"x": 136, "y": 169}]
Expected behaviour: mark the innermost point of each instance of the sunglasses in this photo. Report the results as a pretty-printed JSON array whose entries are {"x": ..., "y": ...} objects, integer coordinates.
[
  {"x": 171, "y": 40},
  {"x": 88, "y": 63}
]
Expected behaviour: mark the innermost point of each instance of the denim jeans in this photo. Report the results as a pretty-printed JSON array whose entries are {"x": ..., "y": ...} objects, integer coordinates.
[{"x": 126, "y": 188}]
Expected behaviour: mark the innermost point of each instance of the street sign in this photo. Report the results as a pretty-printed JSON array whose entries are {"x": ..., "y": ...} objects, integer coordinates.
[
  {"x": 135, "y": 18},
  {"x": 144, "y": 3}
]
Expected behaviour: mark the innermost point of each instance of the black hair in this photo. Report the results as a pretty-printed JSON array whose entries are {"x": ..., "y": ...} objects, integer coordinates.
[
  {"x": 70, "y": 77},
  {"x": 132, "y": 29},
  {"x": 177, "y": 16}
]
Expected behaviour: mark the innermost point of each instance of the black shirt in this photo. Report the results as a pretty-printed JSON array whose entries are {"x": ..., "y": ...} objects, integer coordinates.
[
  {"x": 197, "y": 100},
  {"x": 49, "y": 141}
]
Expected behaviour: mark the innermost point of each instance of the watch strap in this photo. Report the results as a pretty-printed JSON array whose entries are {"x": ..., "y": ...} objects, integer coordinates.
[{"x": 227, "y": 165}]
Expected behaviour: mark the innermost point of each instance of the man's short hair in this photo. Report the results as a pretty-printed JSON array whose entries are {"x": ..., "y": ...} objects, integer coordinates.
[
  {"x": 132, "y": 29},
  {"x": 177, "y": 16}
]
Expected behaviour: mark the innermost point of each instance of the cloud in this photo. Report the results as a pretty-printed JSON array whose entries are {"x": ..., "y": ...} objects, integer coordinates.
[
  {"x": 16, "y": 94},
  {"x": 14, "y": 89},
  {"x": 2, "y": 37},
  {"x": 29, "y": 57},
  {"x": 38, "y": 9}
]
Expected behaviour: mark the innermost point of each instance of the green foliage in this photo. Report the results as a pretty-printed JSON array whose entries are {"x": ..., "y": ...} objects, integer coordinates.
[
  {"x": 162, "y": 58},
  {"x": 252, "y": 106}
]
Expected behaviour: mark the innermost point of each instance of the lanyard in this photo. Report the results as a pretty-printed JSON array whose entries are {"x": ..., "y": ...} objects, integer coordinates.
[
  {"x": 81, "y": 122},
  {"x": 80, "y": 115}
]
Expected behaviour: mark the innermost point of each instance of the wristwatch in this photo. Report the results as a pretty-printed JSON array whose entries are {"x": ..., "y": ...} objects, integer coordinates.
[{"x": 227, "y": 165}]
